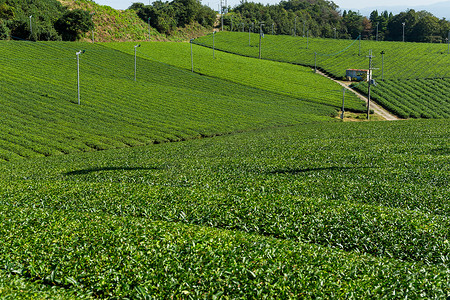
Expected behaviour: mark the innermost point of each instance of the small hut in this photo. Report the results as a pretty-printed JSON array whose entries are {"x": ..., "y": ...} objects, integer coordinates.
[{"x": 358, "y": 74}]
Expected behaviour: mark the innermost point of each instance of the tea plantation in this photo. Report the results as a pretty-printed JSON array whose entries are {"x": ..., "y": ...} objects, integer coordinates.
[
  {"x": 399, "y": 69},
  {"x": 327, "y": 210},
  {"x": 232, "y": 181},
  {"x": 41, "y": 115},
  {"x": 286, "y": 79}
]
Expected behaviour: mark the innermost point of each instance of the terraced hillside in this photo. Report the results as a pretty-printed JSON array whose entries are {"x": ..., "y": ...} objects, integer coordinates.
[
  {"x": 413, "y": 98},
  {"x": 401, "y": 60},
  {"x": 332, "y": 210},
  {"x": 41, "y": 115},
  {"x": 401, "y": 68},
  {"x": 280, "y": 78}
]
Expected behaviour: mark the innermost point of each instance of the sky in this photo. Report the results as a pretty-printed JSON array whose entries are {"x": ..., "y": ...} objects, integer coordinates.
[{"x": 343, "y": 4}]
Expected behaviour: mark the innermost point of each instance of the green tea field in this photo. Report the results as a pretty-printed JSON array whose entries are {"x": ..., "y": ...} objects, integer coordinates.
[
  {"x": 349, "y": 210},
  {"x": 235, "y": 181},
  {"x": 286, "y": 79},
  {"x": 400, "y": 68},
  {"x": 41, "y": 115}
]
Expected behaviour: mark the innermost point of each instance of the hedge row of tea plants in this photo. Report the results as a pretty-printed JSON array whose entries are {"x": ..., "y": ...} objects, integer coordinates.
[
  {"x": 401, "y": 60},
  {"x": 41, "y": 115},
  {"x": 295, "y": 81},
  {"x": 320, "y": 210},
  {"x": 402, "y": 66},
  {"x": 414, "y": 98}
]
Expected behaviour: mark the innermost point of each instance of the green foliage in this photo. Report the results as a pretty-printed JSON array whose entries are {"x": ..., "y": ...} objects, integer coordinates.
[
  {"x": 323, "y": 19},
  {"x": 291, "y": 17},
  {"x": 46, "y": 15},
  {"x": 408, "y": 62},
  {"x": 414, "y": 98},
  {"x": 73, "y": 23},
  {"x": 165, "y": 104},
  {"x": 286, "y": 79},
  {"x": 167, "y": 16},
  {"x": 321, "y": 210}
]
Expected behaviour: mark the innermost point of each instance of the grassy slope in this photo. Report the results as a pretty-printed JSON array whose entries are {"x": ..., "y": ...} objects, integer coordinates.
[
  {"x": 114, "y": 25},
  {"x": 312, "y": 210},
  {"x": 39, "y": 84},
  {"x": 287, "y": 79}
]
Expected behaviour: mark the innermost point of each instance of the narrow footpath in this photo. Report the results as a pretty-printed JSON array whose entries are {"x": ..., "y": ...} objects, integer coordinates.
[{"x": 373, "y": 106}]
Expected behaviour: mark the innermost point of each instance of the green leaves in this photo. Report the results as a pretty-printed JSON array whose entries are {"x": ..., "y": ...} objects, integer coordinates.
[{"x": 305, "y": 211}]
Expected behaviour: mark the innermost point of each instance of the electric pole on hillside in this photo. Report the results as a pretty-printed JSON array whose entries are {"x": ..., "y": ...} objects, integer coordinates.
[
  {"x": 261, "y": 35},
  {"x": 403, "y": 24},
  {"x": 192, "y": 56},
  {"x": 78, "y": 75},
  {"x": 31, "y": 26},
  {"x": 221, "y": 12},
  {"x": 377, "y": 32},
  {"x": 135, "y": 60},
  {"x": 448, "y": 43},
  {"x": 370, "y": 81},
  {"x": 295, "y": 26}
]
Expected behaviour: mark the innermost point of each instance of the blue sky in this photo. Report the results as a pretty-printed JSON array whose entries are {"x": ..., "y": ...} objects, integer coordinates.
[{"x": 347, "y": 4}]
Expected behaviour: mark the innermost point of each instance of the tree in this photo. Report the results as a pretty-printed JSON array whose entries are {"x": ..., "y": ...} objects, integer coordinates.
[
  {"x": 353, "y": 22},
  {"x": 73, "y": 23}
]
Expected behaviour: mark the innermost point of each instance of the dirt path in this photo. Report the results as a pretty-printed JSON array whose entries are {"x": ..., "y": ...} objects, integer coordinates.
[{"x": 374, "y": 106}]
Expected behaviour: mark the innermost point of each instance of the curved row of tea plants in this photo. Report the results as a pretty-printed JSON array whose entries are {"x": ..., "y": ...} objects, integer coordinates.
[
  {"x": 233, "y": 215},
  {"x": 286, "y": 79},
  {"x": 40, "y": 115},
  {"x": 414, "y": 98},
  {"x": 400, "y": 61}
]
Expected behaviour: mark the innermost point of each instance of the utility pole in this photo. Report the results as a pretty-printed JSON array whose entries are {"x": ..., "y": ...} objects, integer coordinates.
[
  {"x": 295, "y": 26},
  {"x": 377, "y": 33},
  {"x": 249, "y": 33},
  {"x": 382, "y": 65},
  {"x": 135, "y": 60},
  {"x": 343, "y": 101},
  {"x": 31, "y": 27},
  {"x": 371, "y": 81},
  {"x": 78, "y": 74},
  {"x": 192, "y": 57},
  {"x": 260, "y": 37},
  {"x": 315, "y": 62},
  {"x": 334, "y": 32},
  {"x": 359, "y": 45},
  {"x": 403, "y": 31},
  {"x": 448, "y": 43},
  {"x": 221, "y": 10}
]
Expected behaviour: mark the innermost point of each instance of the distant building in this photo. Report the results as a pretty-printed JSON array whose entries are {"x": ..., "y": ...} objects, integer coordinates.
[{"x": 358, "y": 74}]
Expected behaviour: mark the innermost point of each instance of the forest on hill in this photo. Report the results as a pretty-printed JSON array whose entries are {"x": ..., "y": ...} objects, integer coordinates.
[
  {"x": 321, "y": 18},
  {"x": 51, "y": 20},
  {"x": 42, "y": 20}
]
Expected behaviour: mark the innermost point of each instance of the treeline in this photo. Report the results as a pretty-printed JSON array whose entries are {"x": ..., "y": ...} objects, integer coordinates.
[
  {"x": 320, "y": 18},
  {"x": 46, "y": 20},
  {"x": 167, "y": 16}
]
